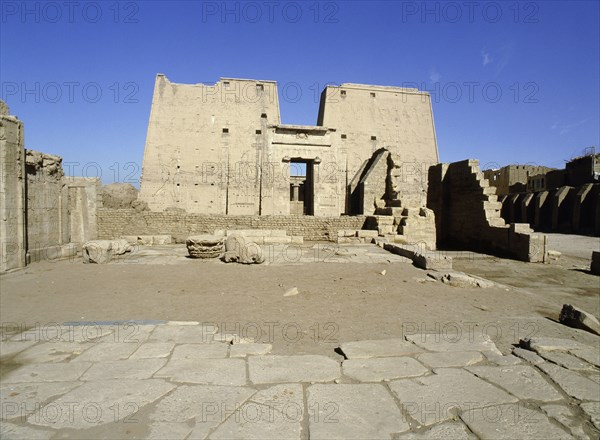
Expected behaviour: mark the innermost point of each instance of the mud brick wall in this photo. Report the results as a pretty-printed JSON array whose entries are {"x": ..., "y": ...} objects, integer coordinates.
[{"x": 114, "y": 223}]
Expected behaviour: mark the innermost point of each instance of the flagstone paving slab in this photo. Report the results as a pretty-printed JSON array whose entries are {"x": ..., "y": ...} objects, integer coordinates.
[
  {"x": 51, "y": 352},
  {"x": 19, "y": 400},
  {"x": 10, "y": 348},
  {"x": 512, "y": 421},
  {"x": 523, "y": 381},
  {"x": 243, "y": 350},
  {"x": 378, "y": 348},
  {"x": 592, "y": 409},
  {"x": 430, "y": 399},
  {"x": 107, "y": 351},
  {"x": 50, "y": 372},
  {"x": 379, "y": 369},
  {"x": 574, "y": 384},
  {"x": 185, "y": 334},
  {"x": 273, "y": 413},
  {"x": 201, "y": 351},
  {"x": 10, "y": 431},
  {"x": 444, "y": 431},
  {"x": 205, "y": 371},
  {"x": 127, "y": 369},
  {"x": 465, "y": 341},
  {"x": 353, "y": 411},
  {"x": 302, "y": 368},
  {"x": 100, "y": 402},
  {"x": 566, "y": 360},
  {"x": 150, "y": 350},
  {"x": 450, "y": 359},
  {"x": 565, "y": 416}
]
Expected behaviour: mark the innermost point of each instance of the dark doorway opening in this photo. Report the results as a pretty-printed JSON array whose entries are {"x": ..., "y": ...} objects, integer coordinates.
[{"x": 301, "y": 186}]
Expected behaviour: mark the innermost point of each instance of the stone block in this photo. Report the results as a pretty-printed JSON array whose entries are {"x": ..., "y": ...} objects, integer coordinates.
[
  {"x": 578, "y": 318},
  {"x": 363, "y": 233}
]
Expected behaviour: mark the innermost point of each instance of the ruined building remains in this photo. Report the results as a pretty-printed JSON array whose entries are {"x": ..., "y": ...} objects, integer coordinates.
[{"x": 222, "y": 149}]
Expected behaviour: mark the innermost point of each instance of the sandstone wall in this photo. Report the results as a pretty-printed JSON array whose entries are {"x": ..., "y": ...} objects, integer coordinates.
[
  {"x": 113, "y": 223},
  {"x": 467, "y": 214},
  {"x": 12, "y": 191}
]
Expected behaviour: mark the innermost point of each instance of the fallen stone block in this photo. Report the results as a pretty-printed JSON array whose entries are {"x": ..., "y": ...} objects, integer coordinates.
[
  {"x": 578, "y": 318},
  {"x": 432, "y": 260},
  {"x": 103, "y": 251},
  {"x": 205, "y": 246},
  {"x": 460, "y": 279},
  {"x": 238, "y": 249}
]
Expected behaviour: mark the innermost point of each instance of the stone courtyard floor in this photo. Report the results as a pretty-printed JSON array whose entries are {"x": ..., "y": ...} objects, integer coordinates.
[{"x": 166, "y": 347}]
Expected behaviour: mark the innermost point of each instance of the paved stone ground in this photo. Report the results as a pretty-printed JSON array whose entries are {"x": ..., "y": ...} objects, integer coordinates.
[{"x": 179, "y": 380}]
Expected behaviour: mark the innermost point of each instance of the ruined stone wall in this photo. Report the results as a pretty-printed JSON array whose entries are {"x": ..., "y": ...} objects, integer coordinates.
[
  {"x": 566, "y": 209},
  {"x": 114, "y": 223},
  {"x": 12, "y": 191},
  {"x": 467, "y": 214},
  {"x": 47, "y": 224}
]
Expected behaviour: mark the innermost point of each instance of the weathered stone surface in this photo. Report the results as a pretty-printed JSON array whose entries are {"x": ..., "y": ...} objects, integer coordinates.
[
  {"x": 528, "y": 355},
  {"x": 243, "y": 350},
  {"x": 51, "y": 372},
  {"x": 205, "y": 371},
  {"x": 430, "y": 399},
  {"x": 130, "y": 396},
  {"x": 168, "y": 430},
  {"x": 592, "y": 409},
  {"x": 523, "y": 381},
  {"x": 511, "y": 422},
  {"x": 378, "y": 348},
  {"x": 378, "y": 369},
  {"x": 362, "y": 411},
  {"x": 50, "y": 352},
  {"x": 238, "y": 249},
  {"x": 564, "y": 415},
  {"x": 549, "y": 344},
  {"x": 153, "y": 350},
  {"x": 432, "y": 260},
  {"x": 20, "y": 400},
  {"x": 566, "y": 360},
  {"x": 190, "y": 334},
  {"x": 107, "y": 351},
  {"x": 572, "y": 383},
  {"x": 200, "y": 351},
  {"x": 444, "y": 431},
  {"x": 127, "y": 369},
  {"x": 9, "y": 348},
  {"x": 273, "y": 413},
  {"x": 205, "y": 246},
  {"x": 502, "y": 360},
  {"x": 465, "y": 341},
  {"x": 578, "y": 318},
  {"x": 103, "y": 251},
  {"x": 209, "y": 406},
  {"x": 10, "y": 431},
  {"x": 591, "y": 355},
  {"x": 450, "y": 359},
  {"x": 303, "y": 368}
]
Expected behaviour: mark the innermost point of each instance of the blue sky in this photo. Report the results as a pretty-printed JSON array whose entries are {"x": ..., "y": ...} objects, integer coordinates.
[{"x": 511, "y": 82}]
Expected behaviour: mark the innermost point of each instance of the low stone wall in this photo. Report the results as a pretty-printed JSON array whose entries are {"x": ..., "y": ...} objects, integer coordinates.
[{"x": 113, "y": 223}]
